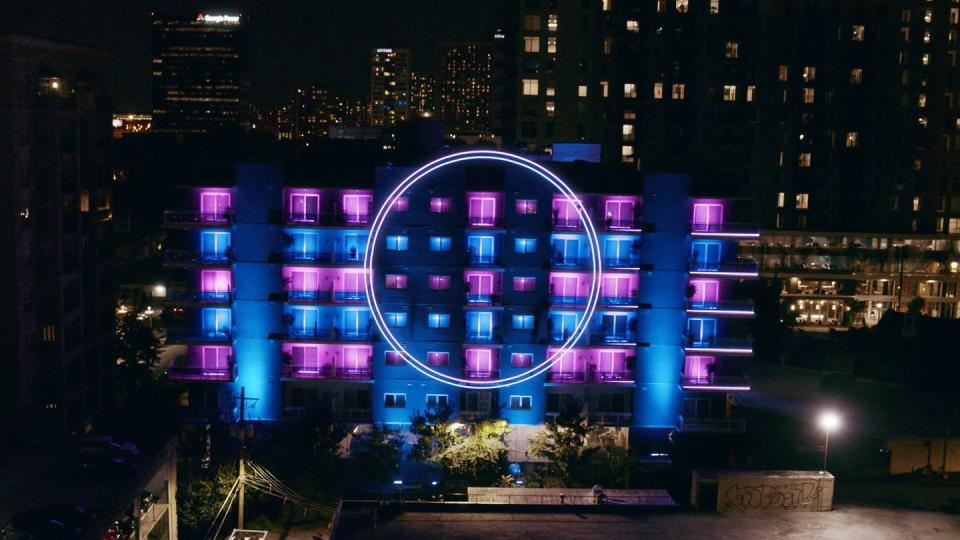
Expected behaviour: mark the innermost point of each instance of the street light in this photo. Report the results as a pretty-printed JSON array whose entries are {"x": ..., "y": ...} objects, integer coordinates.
[{"x": 829, "y": 421}]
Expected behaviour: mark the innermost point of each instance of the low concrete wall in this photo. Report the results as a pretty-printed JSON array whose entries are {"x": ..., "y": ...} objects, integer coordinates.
[
  {"x": 558, "y": 496},
  {"x": 728, "y": 491}
]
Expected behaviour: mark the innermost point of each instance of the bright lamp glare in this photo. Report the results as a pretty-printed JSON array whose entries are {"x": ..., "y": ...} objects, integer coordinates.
[{"x": 829, "y": 421}]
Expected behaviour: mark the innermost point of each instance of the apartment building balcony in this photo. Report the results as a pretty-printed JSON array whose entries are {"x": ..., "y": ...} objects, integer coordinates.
[
  {"x": 736, "y": 268},
  {"x": 561, "y": 300},
  {"x": 620, "y": 262},
  {"x": 567, "y": 224},
  {"x": 621, "y": 224},
  {"x": 198, "y": 335},
  {"x": 174, "y": 219},
  {"x": 732, "y": 308},
  {"x": 482, "y": 337},
  {"x": 320, "y": 257},
  {"x": 350, "y": 297},
  {"x": 595, "y": 377},
  {"x": 327, "y": 334},
  {"x": 321, "y": 219},
  {"x": 612, "y": 338},
  {"x": 618, "y": 419},
  {"x": 328, "y": 372},
  {"x": 481, "y": 299},
  {"x": 713, "y": 425},
  {"x": 719, "y": 383},
  {"x": 475, "y": 416},
  {"x": 183, "y": 258},
  {"x": 484, "y": 222},
  {"x": 354, "y": 415},
  {"x": 476, "y": 374},
  {"x": 184, "y": 369},
  {"x": 722, "y": 346},
  {"x": 630, "y": 300},
  {"x": 725, "y": 230},
  {"x": 482, "y": 260},
  {"x": 307, "y": 297},
  {"x": 197, "y": 297},
  {"x": 565, "y": 261}
]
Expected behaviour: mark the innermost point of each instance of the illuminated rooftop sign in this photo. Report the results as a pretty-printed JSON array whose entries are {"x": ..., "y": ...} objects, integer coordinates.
[{"x": 218, "y": 18}]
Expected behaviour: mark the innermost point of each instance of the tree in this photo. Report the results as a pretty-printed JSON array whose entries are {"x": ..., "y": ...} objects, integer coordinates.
[
  {"x": 137, "y": 347},
  {"x": 477, "y": 452},
  {"x": 562, "y": 441},
  {"x": 378, "y": 454},
  {"x": 608, "y": 466},
  {"x": 435, "y": 434},
  {"x": 200, "y": 493}
]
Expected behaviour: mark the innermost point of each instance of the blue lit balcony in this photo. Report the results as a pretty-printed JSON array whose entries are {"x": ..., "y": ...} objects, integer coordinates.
[
  {"x": 350, "y": 297},
  {"x": 492, "y": 336},
  {"x": 482, "y": 260},
  {"x": 631, "y": 300},
  {"x": 730, "y": 308},
  {"x": 185, "y": 368},
  {"x": 196, "y": 297},
  {"x": 187, "y": 219},
  {"x": 322, "y": 257},
  {"x": 564, "y": 261},
  {"x": 620, "y": 262},
  {"x": 721, "y": 346},
  {"x": 187, "y": 258},
  {"x": 326, "y": 334},
  {"x": 198, "y": 335},
  {"x": 557, "y": 300},
  {"x": 738, "y": 268},
  {"x": 612, "y": 338},
  {"x": 725, "y": 230}
]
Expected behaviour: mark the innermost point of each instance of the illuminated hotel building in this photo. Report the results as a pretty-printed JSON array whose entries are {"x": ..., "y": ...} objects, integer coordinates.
[
  {"x": 197, "y": 86},
  {"x": 389, "y": 87},
  {"x": 466, "y": 88},
  {"x": 481, "y": 273}
]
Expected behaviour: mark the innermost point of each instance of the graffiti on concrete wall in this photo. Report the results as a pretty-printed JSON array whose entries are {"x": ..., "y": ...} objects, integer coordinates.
[{"x": 782, "y": 496}]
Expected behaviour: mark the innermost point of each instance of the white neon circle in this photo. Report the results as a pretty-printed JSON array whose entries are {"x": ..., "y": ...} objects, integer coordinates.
[{"x": 485, "y": 155}]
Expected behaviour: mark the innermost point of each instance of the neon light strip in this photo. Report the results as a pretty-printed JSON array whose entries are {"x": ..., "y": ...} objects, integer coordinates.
[
  {"x": 717, "y": 388},
  {"x": 718, "y": 350},
  {"x": 726, "y": 235},
  {"x": 729, "y": 274},
  {"x": 720, "y": 312},
  {"x": 387, "y": 206}
]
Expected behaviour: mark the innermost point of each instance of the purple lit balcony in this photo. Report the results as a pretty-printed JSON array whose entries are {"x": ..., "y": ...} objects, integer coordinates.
[
  {"x": 479, "y": 374},
  {"x": 725, "y": 230},
  {"x": 566, "y": 377},
  {"x": 185, "y": 218},
  {"x": 731, "y": 308},
  {"x": 487, "y": 222},
  {"x": 484, "y": 209},
  {"x": 327, "y": 334},
  {"x": 204, "y": 364},
  {"x": 737, "y": 268},
  {"x": 481, "y": 299},
  {"x": 590, "y": 376},
  {"x": 327, "y": 371},
  {"x": 567, "y": 224}
]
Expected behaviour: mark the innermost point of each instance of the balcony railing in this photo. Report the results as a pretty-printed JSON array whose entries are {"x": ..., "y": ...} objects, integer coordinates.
[
  {"x": 727, "y": 307},
  {"x": 475, "y": 416},
  {"x": 327, "y": 372},
  {"x": 721, "y": 383},
  {"x": 722, "y": 345},
  {"x": 725, "y": 229},
  {"x": 326, "y": 218},
  {"x": 559, "y": 300},
  {"x": 572, "y": 377},
  {"x": 350, "y": 297},
  {"x": 183, "y": 218},
  {"x": 198, "y": 335},
  {"x": 327, "y": 334},
  {"x": 193, "y": 296},
  {"x": 183, "y": 370},
  {"x": 567, "y": 224},
  {"x": 611, "y": 418},
  {"x": 744, "y": 267},
  {"x": 188, "y": 257},
  {"x": 563, "y": 261},
  {"x": 322, "y": 257},
  {"x": 600, "y": 338},
  {"x": 613, "y": 224},
  {"x": 484, "y": 221},
  {"x": 631, "y": 300},
  {"x": 473, "y": 259},
  {"x": 566, "y": 376},
  {"x": 308, "y": 296},
  {"x": 713, "y": 425},
  {"x": 482, "y": 337},
  {"x": 475, "y": 374},
  {"x": 481, "y": 299},
  {"x": 621, "y": 262}
]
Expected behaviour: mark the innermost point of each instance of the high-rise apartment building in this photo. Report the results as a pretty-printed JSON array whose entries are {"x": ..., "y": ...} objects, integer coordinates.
[
  {"x": 483, "y": 273},
  {"x": 466, "y": 88},
  {"x": 423, "y": 94},
  {"x": 54, "y": 194},
  {"x": 389, "y": 87},
  {"x": 197, "y": 73}
]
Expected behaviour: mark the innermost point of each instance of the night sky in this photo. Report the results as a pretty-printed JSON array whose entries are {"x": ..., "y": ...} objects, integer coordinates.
[{"x": 291, "y": 42}]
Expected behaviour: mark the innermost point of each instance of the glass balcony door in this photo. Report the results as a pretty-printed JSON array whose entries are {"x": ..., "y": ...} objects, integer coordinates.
[
  {"x": 706, "y": 255},
  {"x": 352, "y": 247},
  {"x": 214, "y": 207},
  {"x": 619, "y": 213},
  {"x": 615, "y": 326},
  {"x": 707, "y": 217},
  {"x": 481, "y": 249},
  {"x": 305, "y": 321},
  {"x": 215, "y": 284},
  {"x": 481, "y": 324},
  {"x": 480, "y": 287},
  {"x": 705, "y": 291},
  {"x": 483, "y": 211},
  {"x": 306, "y": 358},
  {"x": 480, "y": 362},
  {"x": 354, "y": 323},
  {"x": 214, "y": 245},
  {"x": 304, "y": 207},
  {"x": 304, "y": 281},
  {"x": 356, "y": 208},
  {"x": 702, "y": 331},
  {"x": 563, "y": 325},
  {"x": 214, "y": 359},
  {"x": 216, "y": 322},
  {"x": 616, "y": 250}
]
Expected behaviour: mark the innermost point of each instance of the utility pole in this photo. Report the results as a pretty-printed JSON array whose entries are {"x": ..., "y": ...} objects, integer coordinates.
[{"x": 242, "y": 434}]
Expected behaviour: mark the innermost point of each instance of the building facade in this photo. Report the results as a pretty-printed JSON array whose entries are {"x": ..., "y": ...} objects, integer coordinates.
[
  {"x": 389, "y": 87},
  {"x": 482, "y": 274},
  {"x": 197, "y": 73},
  {"x": 466, "y": 88}
]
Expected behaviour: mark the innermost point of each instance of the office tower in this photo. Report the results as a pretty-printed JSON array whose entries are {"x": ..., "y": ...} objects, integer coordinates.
[
  {"x": 423, "y": 94},
  {"x": 466, "y": 88},
  {"x": 389, "y": 87},
  {"x": 198, "y": 73},
  {"x": 54, "y": 180}
]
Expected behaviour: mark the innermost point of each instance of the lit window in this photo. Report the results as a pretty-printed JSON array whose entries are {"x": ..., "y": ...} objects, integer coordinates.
[
  {"x": 905, "y": 32},
  {"x": 396, "y": 319},
  {"x": 531, "y": 22},
  {"x": 809, "y": 73},
  {"x": 393, "y": 358},
  {"x": 714, "y": 7},
  {"x": 552, "y": 22},
  {"x": 605, "y": 88},
  {"x": 523, "y": 322},
  {"x": 521, "y": 360},
  {"x": 626, "y": 153},
  {"x": 438, "y": 282},
  {"x": 397, "y": 242},
  {"x": 856, "y": 76},
  {"x": 780, "y": 199},
  {"x": 629, "y": 90},
  {"x": 751, "y": 92},
  {"x": 803, "y": 201},
  {"x": 526, "y": 206},
  {"x": 531, "y": 87},
  {"x": 905, "y": 15},
  {"x": 729, "y": 92},
  {"x": 804, "y": 159},
  {"x": 853, "y": 139},
  {"x": 582, "y": 90},
  {"x": 394, "y": 401},
  {"x": 925, "y": 59},
  {"x": 682, "y": 5},
  {"x": 438, "y": 358},
  {"x": 552, "y": 45},
  {"x": 531, "y": 44},
  {"x": 551, "y": 91},
  {"x": 402, "y": 204},
  {"x": 922, "y": 121},
  {"x": 916, "y": 204},
  {"x": 525, "y": 403},
  {"x": 954, "y": 15},
  {"x": 921, "y": 101},
  {"x": 808, "y": 95},
  {"x": 440, "y": 205},
  {"x": 627, "y": 132},
  {"x": 49, "y": 333},
  {"x": 954, "y": 228},
  {"x": 396, "y": 281},
  {"x": 438, "y": 401},
  {"x": 678, "y": 90},
  {"x": 551, "y": 108},
  {"x": 658, "y": 90},
  {"x": 524, "y": 283},
  {"x": 856, "y": 33},
  {"x": 633, "y": 26},
  {"x": 525, "y": 245},
  {"x": 732, "y": 50},
  {"x": 440, "y": 243},
  {"x": 928, "y": 16},
  {"x": 438, "y": 320},
  {"x": 926, "y": 37},
  {"x": 661, "y": 6},
  {"x": 783, "y": 73}
]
